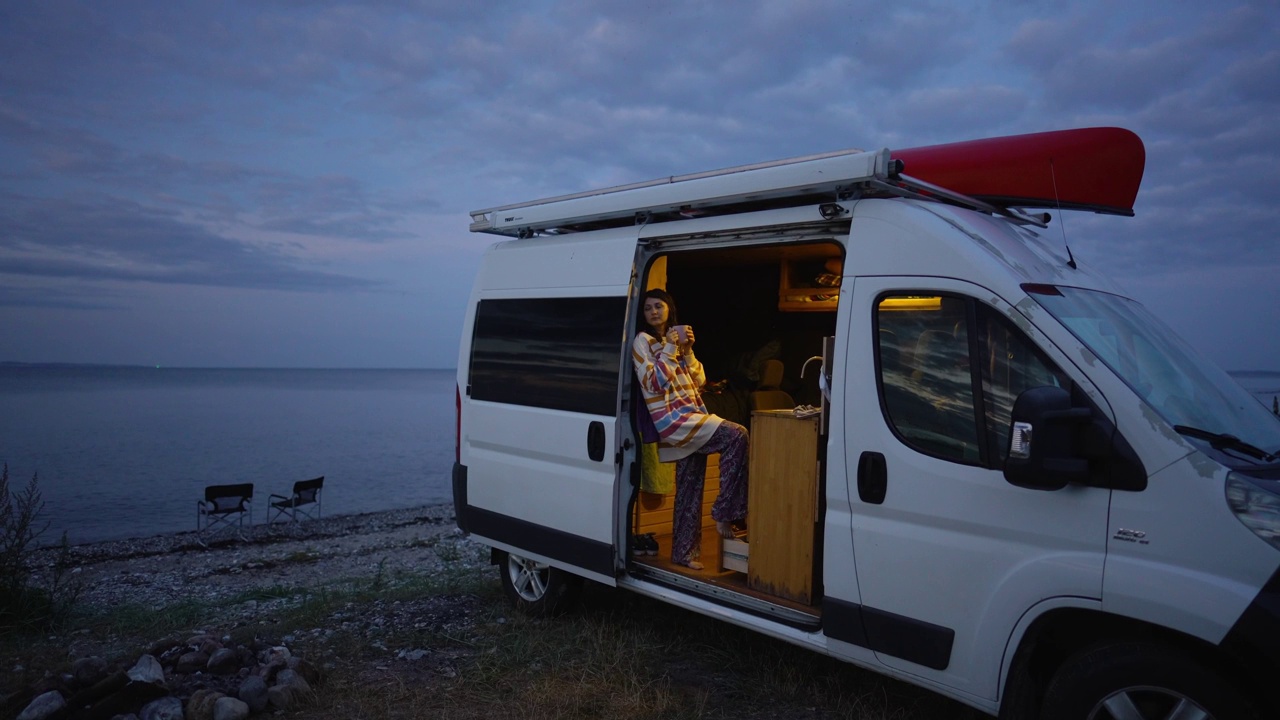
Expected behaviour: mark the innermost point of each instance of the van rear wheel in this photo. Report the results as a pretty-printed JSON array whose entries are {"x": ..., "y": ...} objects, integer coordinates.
[
  {"x": 536, "y": 588},
  {"x": 1140, "y": 681}
]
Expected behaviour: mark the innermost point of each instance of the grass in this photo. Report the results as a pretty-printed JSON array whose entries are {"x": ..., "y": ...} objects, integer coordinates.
[
  {"x": 618, "y": 656},
  {"x": 623, "y": 656}
]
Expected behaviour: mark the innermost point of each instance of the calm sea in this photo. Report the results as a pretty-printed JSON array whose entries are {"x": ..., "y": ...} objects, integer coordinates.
[
  {"x": 126, "y": 452},
  {"x": 1265, "y": 385}
]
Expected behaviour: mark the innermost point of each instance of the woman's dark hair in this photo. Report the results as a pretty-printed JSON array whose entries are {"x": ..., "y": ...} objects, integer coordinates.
[{"x": 665, "y": 297}]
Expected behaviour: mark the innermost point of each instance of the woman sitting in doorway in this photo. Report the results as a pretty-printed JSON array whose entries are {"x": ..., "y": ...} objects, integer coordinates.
[{"x": 670, "y": 377}]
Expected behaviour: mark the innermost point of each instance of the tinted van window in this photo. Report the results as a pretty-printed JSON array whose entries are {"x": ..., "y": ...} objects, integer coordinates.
[
  {"x": 931, "y": 349},
  {"x": 557, "y": 353},
  {"x": 926, "y": 374}
]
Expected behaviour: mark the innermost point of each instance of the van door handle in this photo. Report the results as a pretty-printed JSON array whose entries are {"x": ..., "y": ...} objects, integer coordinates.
[
  {"x": 595, "y": 440},
  {"x": 873, "y": 478}
]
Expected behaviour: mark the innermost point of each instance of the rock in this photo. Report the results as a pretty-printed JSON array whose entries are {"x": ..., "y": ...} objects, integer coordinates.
[
  {"x": 43, "y": 706},
  {"x": 282, "y": 697},
  {"x": 89, "y": 670},
  {"x": 166, "y": 708},
  {"x": 200, "y": 706},
  {"x": 253, "y": 691},
  {"x": 196, "y": 641},
  {"x": 169, "y": 657},
  {"x": 290, "y": 689},
  {"x": 223, "y": 661},
  {"x": 104, "y": 687},
  {"x": 148, "y": 670},
  {"x": 130, "y": 716},
  {"x": 116, "y": 701},
  {"x": 305, "y": 669},
  {"x": 210, "y": 646},
  {"x": 229, "y": 708},
  {"x": 191, "y": 662},
  {"x": 293, "y": 679},
  {"x": 278, "y": 652}
]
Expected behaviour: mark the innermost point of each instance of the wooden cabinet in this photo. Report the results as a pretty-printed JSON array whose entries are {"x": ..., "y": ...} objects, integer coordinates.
[
  {"x": 782, "y": 504},
  {"x": 808, "y": 285}
]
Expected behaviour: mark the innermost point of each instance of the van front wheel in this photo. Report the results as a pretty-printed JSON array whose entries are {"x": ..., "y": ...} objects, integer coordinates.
[
  {"x": 536, "y": 588},
  {"x": 1138, "y": 681}
]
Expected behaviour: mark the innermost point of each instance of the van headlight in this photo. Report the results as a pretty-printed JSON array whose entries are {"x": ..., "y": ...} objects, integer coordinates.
[{"x": 1256, "y": 505}]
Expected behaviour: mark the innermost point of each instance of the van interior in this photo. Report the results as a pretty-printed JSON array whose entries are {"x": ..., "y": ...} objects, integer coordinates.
[{"x": 761, "y": 314}]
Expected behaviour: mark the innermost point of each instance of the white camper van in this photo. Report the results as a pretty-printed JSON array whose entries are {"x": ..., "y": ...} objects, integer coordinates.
[{"x": 1014, "y": 486}]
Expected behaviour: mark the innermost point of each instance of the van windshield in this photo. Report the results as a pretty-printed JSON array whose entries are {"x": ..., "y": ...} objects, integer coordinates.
[{"x": 1186, "y": 390}]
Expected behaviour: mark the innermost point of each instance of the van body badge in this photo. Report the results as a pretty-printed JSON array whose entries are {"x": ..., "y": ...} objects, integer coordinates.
[{"x": 1133, "y": 536}]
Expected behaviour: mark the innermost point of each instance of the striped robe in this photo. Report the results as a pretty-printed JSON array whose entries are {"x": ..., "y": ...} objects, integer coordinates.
[{"x": 669, "y": 380}]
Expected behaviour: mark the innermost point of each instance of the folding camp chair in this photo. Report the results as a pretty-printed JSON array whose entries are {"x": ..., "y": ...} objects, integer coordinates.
[
  {"x": 304, "y": 502},
  {"x": 223, "y": 508}
]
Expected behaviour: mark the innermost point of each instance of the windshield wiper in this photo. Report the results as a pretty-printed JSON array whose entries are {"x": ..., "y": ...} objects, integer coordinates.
[{"x": 1223, "y": 441}]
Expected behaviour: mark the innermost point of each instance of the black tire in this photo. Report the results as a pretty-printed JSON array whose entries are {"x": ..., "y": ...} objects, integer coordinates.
[
  {"x": 536, "y": 589},
  {"x": 1147, "y": 678}
]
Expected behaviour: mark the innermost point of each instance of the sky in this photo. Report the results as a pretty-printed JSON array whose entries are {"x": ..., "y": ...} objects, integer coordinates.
[{"x": 287, "y": 184}]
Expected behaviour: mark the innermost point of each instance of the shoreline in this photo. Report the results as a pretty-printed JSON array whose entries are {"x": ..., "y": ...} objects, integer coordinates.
[
  {"x": 257, "y": 533},
  {"x": 166, "y": 568}
]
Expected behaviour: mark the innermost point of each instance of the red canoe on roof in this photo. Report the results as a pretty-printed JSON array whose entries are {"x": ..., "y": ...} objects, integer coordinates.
[{"x": 1096, "y": 169}]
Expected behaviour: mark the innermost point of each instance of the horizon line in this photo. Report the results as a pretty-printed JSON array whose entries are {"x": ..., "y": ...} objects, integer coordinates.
[
  {"x": 49, "y": 364},
  {"x": 19, "y": 363}
]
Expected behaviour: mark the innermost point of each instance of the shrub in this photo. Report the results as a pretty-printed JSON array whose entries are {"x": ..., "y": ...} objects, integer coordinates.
[{"x": 21, "y": 605}]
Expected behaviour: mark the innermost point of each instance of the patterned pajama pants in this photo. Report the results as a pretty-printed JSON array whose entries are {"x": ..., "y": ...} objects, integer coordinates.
[{"x": 730, "y": 440}]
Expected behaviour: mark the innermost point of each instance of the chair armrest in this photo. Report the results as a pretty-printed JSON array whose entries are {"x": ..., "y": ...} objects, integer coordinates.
[{"x": 274, "y": 496}]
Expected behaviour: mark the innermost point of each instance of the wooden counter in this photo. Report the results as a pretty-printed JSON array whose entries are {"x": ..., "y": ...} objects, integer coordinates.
[{"x": 782, "y": 503}]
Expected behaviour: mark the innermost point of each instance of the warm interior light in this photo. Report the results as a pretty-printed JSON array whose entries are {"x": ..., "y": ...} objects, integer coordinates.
[{"x": 911, "y": 303}]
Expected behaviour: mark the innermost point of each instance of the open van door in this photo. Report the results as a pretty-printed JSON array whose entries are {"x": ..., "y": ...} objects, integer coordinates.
[{"x": 543, "y": 348}]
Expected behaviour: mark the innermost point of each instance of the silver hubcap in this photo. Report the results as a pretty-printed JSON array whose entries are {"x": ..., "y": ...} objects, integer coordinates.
[
  {"x": 528, "y": 577},
  {"x": 1148, "y": 703}
]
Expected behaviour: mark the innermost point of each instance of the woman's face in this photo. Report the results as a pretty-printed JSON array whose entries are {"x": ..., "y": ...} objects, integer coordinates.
[{"x": 655, "y": 313}]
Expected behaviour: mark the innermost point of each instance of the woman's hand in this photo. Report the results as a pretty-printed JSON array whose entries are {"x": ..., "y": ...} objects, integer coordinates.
[{"x": 673, "y": 336}]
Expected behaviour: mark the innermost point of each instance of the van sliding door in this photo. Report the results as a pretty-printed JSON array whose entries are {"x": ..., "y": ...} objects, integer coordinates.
[{"x": 540, "y": 405}]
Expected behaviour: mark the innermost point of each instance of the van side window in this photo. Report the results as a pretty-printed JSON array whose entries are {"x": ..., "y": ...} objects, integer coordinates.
[
  {"x": 1010, "y": 363},
  {"x": 556, "y": 353},
  {"x": 925, "y": 374},
  {"x": 950, "y": 371}
]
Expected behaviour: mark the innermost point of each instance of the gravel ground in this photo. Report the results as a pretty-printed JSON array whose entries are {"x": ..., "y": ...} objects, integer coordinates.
[
  {"x": 156, "y": 572},
  {"x": 160, "y": 570}
]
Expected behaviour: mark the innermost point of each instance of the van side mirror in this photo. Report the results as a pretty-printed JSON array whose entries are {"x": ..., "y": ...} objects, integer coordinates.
[{"x": 1042, "y": 453}]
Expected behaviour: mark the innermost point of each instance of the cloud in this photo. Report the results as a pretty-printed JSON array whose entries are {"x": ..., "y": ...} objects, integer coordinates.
[
  {"x": 109, "y": 238},
  {"x": 967, "y": 109},
  {"x": 337, "y": 145},
  {"x": 1081, "y": 67},
  {"x": 36, "y": 294}
]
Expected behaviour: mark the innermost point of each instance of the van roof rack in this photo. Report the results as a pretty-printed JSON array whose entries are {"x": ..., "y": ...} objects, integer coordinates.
[
  {"x": 793, "y": 181},
  {"x": 1096, "y": 169}
]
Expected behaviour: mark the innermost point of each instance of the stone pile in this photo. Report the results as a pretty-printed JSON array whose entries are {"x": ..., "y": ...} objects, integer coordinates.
[{"x": 201, "y": 678}]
